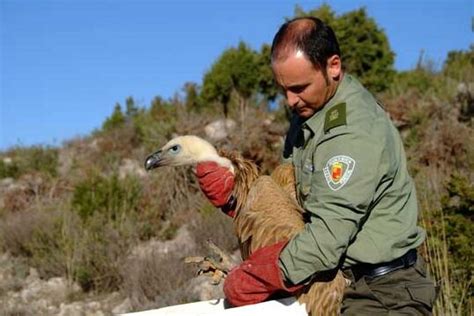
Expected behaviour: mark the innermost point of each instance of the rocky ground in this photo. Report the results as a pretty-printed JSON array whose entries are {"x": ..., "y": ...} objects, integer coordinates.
[{"x": 23, "y": 292}]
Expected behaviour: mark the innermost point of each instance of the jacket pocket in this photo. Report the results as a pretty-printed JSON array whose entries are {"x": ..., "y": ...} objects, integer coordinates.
[
  {"x": 423, "y": 293},
  {"x": 307, "y": 170}
]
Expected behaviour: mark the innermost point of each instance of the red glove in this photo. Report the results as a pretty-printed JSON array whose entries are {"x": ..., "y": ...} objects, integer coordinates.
[
  {"x": 217, "y": 183},
  {"x": 257, "y": 278}
]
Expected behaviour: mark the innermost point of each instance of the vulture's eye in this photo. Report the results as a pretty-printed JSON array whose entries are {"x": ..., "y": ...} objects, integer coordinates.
[{"x": 175, "y": 149}]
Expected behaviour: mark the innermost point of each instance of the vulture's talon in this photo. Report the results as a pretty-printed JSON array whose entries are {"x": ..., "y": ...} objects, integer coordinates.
[
  {"x": 209, "y": 267},
  {"x": 216, "y": 266},
  {"x": 226, "y": 263}
]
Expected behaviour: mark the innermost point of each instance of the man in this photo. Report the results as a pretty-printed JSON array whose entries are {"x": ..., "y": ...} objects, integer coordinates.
[{"x": 352, "y": 181}]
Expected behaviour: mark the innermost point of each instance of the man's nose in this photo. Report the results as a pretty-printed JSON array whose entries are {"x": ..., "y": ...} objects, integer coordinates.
[{"x": 292, "y": 99}]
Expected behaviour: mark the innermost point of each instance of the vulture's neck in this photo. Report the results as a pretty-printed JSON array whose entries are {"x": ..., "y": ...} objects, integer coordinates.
[{"x": 246, "y": 172}]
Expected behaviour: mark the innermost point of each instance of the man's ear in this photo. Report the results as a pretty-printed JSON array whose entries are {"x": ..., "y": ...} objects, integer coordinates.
[{"x": 334, "y": 67}]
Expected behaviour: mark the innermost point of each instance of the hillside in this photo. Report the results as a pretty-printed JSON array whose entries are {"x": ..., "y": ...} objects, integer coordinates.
[{"x": 84, "y": 229}]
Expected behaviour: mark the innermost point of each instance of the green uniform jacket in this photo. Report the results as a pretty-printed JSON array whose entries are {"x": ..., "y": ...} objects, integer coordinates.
[{"x": 352, "y": 180}]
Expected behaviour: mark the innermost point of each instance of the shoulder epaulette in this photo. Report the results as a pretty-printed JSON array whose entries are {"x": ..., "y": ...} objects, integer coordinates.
[{"x": 336, "y": 116}]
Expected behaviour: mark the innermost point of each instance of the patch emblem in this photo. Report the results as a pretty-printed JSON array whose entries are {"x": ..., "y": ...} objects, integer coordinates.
[{"x": 338, "y": 170}]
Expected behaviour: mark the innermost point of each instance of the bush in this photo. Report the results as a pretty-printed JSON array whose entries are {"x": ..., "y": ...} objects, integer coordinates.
[
  {"x": 9, "y": 169},
  {"x": 212, "y": 224},
  {"x": 419, "y": 80},
  {"x": 110, "y": 196},
  {"x": 458, "y": 207},
  {"x": 102, "y": 246},
  {"x": 459, "y": 65},
  {"x": 28, "y": 160},
  {"x": 37, "y": 236},
  {"x": 116, "y": 119},
  {"x": 155, "y": 280}
]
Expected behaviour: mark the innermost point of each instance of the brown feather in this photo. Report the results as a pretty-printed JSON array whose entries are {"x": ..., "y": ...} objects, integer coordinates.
[{"x": 267, "y": 212}]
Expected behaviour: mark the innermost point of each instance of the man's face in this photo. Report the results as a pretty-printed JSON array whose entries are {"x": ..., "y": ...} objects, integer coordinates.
[{"x": 306, "y": 88}]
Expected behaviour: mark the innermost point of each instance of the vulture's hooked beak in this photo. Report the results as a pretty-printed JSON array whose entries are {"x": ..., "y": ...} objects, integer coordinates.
[{"x": 153, "y": 161}]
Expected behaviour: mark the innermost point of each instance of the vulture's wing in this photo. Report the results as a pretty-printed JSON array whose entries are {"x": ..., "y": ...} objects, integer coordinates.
[{"x": 269, "y": 215}]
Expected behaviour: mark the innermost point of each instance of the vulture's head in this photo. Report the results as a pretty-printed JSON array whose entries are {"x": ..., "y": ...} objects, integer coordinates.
[{"x": 185, "y": 151}]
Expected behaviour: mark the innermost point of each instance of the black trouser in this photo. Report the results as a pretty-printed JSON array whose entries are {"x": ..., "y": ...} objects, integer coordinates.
[{"x": 406, "y": 291}]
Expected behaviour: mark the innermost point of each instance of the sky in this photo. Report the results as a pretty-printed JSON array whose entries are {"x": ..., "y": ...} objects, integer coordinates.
[{"x": 64, "y": 64}]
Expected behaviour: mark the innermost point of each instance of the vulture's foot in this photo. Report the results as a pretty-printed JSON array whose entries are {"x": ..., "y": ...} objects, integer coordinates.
[
  {"x": 208, "y": 267},
  {"x": 216, "y": 269}
]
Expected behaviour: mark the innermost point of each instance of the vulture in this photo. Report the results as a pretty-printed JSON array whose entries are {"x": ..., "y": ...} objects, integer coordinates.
[{"x": 266, "y": 209}]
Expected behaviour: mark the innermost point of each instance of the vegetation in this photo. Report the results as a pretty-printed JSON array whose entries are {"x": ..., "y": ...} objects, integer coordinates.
[
  {"x": 365, "y": 49},
  {"x": 82, "y": 210}
]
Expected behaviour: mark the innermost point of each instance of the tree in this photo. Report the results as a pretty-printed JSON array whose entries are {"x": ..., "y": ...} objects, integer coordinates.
[
  {"x": 365, "y": 49},
  {"x": 115, "y": 120},
  {"x": 161, "y": 109},
  {"x": 191, "y": 97},
  {"x": 266, "y": 83},
  {"x": 459, "y": 65},
  {"x": 131, "y": 110},
  {"x": 235, "y": 72}
]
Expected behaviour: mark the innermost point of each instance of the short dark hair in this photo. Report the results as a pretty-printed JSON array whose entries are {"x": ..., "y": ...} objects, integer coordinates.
[{"x": 312, "y": 36}]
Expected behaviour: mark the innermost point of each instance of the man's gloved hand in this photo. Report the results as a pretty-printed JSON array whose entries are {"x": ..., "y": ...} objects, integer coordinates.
[
  {"x": 217, "y": 183},
  {"x": 257, "y": 278}
]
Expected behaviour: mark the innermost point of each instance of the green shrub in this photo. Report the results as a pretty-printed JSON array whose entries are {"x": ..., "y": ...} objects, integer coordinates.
[
  {"x": 9, "y": 170},
  {"x": 420, "y": 80},
  {"x": 116, "y": 119},
  {"x": 459, "y": 65},
  {"x": 458, "y": 207},
  {"x": 156, "y": 125},
  {"x": 106, "y": 195},
  {"x": 101, "y": 248},
  {"x": 30, "y": 159},
  {"x": 37, "y": 236},
  {"x": 42, "y": 159}
]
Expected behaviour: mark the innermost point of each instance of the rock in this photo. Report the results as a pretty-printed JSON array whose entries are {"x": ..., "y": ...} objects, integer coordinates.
[
  {"x": 182, "y": 242},
  {"x": 71, "y": 310},
  {"x": 269, "y": 120},
  {"x": 65, "y": 160},
  {"x": 219, "y": 129},
  {"x": 54, "y": 290},
  {"x": 93, "y": 305},
  {"x": 41, "y": 304},
  {"x": 95, "y": 143},
  {"x": 25, "y": 293},
  {"x": 8, "y": 184},
  {"x": 124, "y": 307},
  {"x": 202, "y": 288},
  {"x": 465, "y": 88},
  {"x": 32, "y": 276},
  {"x": 131, "y": 167}
]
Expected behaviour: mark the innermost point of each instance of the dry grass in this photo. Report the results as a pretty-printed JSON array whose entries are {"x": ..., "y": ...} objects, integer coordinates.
[
  {"x": 38, "y": 221},
  {"x": 453, "y": 296},
  {"x": 157, "y": 280},
  {"x": 213, "y": 225},
  {"x": 439, "y": 144}
]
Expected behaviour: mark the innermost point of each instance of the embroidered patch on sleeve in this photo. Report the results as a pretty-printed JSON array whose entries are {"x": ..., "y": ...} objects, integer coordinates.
[{"x": 338, "y": 170}]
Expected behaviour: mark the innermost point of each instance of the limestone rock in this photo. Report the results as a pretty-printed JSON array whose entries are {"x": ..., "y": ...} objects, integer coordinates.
[{"x": 219, "y": 129}]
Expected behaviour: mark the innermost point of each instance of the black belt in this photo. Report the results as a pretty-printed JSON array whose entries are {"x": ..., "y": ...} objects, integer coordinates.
[{"x": 375, "y": 270}]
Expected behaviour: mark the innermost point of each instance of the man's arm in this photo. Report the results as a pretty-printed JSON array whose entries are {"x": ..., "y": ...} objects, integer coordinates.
[{"x": 342, "y": 186}]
